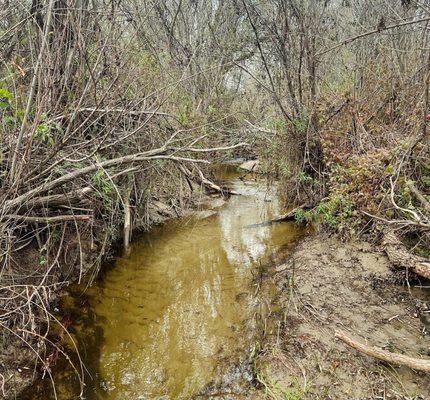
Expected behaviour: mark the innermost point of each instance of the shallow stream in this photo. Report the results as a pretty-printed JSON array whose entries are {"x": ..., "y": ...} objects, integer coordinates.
[{"x": 159, "y": 322}]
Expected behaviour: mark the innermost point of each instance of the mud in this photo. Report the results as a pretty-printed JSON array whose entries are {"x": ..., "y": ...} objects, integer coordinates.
[{"x": 327, "y": 285}]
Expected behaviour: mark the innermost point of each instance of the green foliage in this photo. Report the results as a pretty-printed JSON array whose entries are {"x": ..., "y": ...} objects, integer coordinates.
[
  {"x": 302, "y": 216},
  {"x": 10, "y": 121},
  {"x": 43, "y": 134},
  {"x": 405, "y": 198},
  {"x": 336, "y": 211},
  {"x": 42, "y": 260},
  {"x": 106, "y": 192},
  {"x": 5, "y": 98},
  {"x": 305, "y": 178},
  {"x": 283, "y": 169},
  {"x": 103, "y": 183},
  {"x": 354, "y": 185},
  {"x": 277, "y": 124},
  {"x": 42, "y": 256},
  {"x": 301, "y": 123},
  {"x": 46, "y": 130}
]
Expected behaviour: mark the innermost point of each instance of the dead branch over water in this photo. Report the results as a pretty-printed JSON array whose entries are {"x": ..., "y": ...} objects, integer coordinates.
[{"x": 108, "y": 107}]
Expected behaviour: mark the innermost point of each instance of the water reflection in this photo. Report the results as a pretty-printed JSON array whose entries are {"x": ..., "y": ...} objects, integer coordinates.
[{"x": 170, "y": 310}]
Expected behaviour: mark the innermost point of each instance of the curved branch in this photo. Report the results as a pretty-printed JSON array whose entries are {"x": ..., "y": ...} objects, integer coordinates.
[{"x": 384, "y": 355}]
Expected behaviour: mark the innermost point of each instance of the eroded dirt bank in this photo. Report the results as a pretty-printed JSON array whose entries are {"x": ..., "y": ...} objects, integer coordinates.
[{"x": 326, "y": 285}]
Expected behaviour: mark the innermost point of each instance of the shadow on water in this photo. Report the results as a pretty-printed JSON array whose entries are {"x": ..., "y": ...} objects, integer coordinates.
[{"x": 161, "y": 322}]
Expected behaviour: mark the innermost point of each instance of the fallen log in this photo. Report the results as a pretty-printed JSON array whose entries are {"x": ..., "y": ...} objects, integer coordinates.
[
  {"x": 150, "y": 155},
  {"x": 59, "y": 200},
  {"x": 400, "y": 257},
  {"x": 384, "y": 355}
]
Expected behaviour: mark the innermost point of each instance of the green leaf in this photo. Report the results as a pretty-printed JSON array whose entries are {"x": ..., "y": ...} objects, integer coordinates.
[{"x": 5, "y": 94}]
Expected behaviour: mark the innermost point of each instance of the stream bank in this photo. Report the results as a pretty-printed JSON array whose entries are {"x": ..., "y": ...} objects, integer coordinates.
[
  {"x": 178, "y": 309},
  {"x": 220, "y": 305},
  {"x": 327, "y": 285}
]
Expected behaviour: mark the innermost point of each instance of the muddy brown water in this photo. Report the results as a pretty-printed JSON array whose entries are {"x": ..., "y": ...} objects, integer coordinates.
[{"x": 159, "y": 322}]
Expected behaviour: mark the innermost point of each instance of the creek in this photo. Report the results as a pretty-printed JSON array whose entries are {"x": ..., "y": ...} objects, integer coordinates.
[{"x": 163, "y": 318}]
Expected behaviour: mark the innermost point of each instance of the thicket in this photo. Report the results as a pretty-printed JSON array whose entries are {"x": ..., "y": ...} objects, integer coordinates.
[{"x": 111, "y": 108}]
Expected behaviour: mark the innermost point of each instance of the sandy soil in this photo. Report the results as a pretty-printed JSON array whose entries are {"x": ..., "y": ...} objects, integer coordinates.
[{"x": 326, "y": 285}]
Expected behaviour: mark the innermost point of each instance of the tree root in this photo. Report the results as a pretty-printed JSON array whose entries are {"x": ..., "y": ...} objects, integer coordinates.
[{"x": 384, "y": 355}]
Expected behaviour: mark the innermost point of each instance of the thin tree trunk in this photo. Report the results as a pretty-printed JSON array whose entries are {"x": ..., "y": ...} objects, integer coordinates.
[
  {"x": 33, "y": 86},
  {"x": 127, "y": 221}
]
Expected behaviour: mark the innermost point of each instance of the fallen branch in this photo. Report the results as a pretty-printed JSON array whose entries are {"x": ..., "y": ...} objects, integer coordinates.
[
  {"x": 417, "y": 218},
  {"x": 59, "y": 200},
  {"x": 46, "y": 220},
  {"x": 384, "y": 355},
  {"x": 155, "y": 154},
  {"x": 398, "y": 222},
  {"x": 372, "y": 32},
  {"x": 399, "y": 255},
  {"x": 419, "y": 196},
  {"x": 202, "y": 180},
  {"x": 116, "y": 111},
  {"x": 290, "y": 216}
]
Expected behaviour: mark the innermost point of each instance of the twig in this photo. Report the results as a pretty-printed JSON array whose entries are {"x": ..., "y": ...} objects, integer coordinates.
[
  {"x": 371, "y": 32},
  {"x": 47, "y": 220}
]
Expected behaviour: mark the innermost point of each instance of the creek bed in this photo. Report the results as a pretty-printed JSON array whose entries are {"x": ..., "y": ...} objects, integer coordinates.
[{"x": 159, "y": 322}]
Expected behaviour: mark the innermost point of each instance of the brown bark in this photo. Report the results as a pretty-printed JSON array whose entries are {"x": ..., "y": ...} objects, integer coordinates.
[
  {"x": 60, "y": 200},
  {"x": 291, "y": 215},
  {"x": 46, "y": 187},
  {"x": 46, "y": 220},
  {"x": 418, "y": 195},
  {"x": 384, "y": 355},
  {"x": 400, "y": 257}
]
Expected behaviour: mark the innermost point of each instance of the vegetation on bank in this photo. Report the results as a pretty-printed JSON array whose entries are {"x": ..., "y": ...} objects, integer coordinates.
[{"x": 111, "y": 110}]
